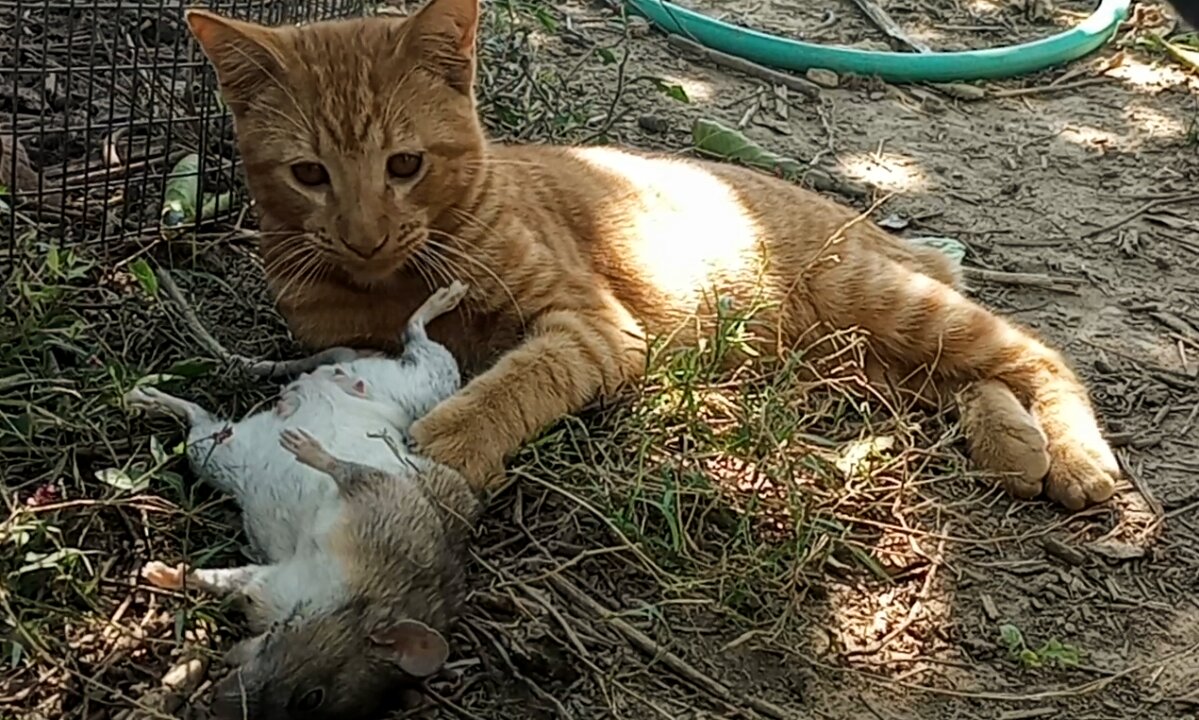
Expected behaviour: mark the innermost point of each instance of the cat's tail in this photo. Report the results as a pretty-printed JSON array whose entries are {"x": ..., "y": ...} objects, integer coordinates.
[{"x": 1024, "y": 411}]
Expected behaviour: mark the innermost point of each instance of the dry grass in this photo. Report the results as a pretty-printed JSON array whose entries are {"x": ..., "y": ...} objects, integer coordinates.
[{"x": 643, "y": 561}]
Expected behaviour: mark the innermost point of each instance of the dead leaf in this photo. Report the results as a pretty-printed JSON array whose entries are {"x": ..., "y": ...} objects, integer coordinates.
[{"x": 1117, "y": 550}]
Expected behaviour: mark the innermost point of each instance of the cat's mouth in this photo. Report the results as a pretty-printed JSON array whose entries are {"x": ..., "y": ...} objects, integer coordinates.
[{"x": 385, "y": 262}]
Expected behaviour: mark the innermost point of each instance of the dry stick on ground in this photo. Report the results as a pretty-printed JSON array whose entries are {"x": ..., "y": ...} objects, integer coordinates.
[
  {"x": 791, "y": 82},
  {"x": 675, "y": 663},
  {"x": 1086, "y": 688},
  {"x": 269, "y": 369},
  {"x": 890, "y": 28},
  {"x": 1061, "y": 284},
  {"x": 1050, "y": 88},
  {"x": 1141, "y": 211},
  {"x": 194, "y": 325}
]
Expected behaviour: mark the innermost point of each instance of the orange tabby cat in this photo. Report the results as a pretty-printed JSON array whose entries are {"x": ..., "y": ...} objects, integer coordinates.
[{"x": 374, "y": 183}]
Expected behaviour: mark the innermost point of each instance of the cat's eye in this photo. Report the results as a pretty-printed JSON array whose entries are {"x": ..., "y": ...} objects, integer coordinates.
[
  {"x": 310, "y": 173},
  {"x": 310, "y": 700},
  {"x": 404, "y": 166}
]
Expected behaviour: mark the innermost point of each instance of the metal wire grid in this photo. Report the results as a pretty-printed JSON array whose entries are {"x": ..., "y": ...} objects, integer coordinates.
[{"x": 99, "y": 99}]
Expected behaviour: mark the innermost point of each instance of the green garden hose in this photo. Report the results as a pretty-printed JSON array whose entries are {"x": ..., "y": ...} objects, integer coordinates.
[{"x": 963, "y": 65}]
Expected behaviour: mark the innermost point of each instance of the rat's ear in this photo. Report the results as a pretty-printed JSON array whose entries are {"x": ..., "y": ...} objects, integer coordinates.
[
  {"x": 246, "y": 55},
  {"x": 360, "y": 388},
  {"x": 444, "y": 34},
  {"x": 418, "y": 649},
  {"x": 242, "y": 652}
]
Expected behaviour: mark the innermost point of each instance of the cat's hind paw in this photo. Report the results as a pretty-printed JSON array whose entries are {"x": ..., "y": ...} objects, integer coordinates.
[
  {"x": 1080, "y": 476},
  {"x": 1005, "y": 438}
]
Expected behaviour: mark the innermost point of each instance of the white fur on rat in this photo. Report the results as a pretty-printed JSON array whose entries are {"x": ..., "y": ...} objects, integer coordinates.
[{"x": 363, "y": 566}]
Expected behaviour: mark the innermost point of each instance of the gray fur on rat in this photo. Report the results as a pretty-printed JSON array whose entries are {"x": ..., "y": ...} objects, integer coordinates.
[{"x": 363, "y": 541}]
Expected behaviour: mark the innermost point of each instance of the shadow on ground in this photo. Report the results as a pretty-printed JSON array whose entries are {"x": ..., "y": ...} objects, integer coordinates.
[{"x": 719, "y": 547}]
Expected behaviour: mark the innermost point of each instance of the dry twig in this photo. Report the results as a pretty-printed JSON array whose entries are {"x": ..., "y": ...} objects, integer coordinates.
[{"x": 676, "y": 664}]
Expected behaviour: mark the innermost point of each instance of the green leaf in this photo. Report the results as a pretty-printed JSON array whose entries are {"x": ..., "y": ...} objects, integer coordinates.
[
  {"x": 606, "y": 56},
  {"x": 675, "y": 91},
  {"x": 1184, "y": 55},
  {"x": 182, "y": 190},
  {"x": 718, "y": 140},
  {"x": 157, "y": 452},
  {"x": 547, "y": 21},
  {"x": 1030, "y": 658},
  {"x": 145, "y": 276},
  {"x": 42, "y": 561},
  {"x": 183, "y": 185},
  {"x": 215, "y": 203},
  {"x": 868, "y": 562},
  {"x": 155, "y": 379},
  {"x": 121, "y": 480},
  {"x": 53, "y": 261},
  {"x": 954, "y": 249},
  {"x": 1011, "y": 637},
  {"x": 192, "y": 368}
]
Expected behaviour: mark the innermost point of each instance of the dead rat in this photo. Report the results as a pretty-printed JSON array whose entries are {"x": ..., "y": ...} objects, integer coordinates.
[{"x": 363, "y": 558}]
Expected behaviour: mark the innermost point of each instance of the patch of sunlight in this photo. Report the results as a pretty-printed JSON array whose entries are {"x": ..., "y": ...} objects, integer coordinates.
[
  {"x": 887, "y": 171},
  {"x": 1137, "y": 72},
  {"x": 985, "y": 7},
  {"x": 859, "y": 456},
  {"x": 685, "y": 229},
  {"x": 1094, "y": 138},
  {"x": 696, "y": 89},
  {"x": 1155, "y": 123},
  {"x": 872, "y": 625}
]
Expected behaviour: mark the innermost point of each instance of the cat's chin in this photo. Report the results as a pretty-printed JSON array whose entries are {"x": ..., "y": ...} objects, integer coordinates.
[
  {"x": 372, "y": 278},
  {"x": 376, "y": 273}
]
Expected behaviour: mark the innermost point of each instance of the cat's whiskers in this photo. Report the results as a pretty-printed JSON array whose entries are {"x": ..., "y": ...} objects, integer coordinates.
[
  {"x": 445, "y": 268},
  {"x": 466, "y": 256},
  {"x": 280, "y": 259},
  {"x": 440, "y": 267},
  {"x": 296, "y": 259},
  {"x": 310, "y": 269},
  {"x": 423, "y": 267}
]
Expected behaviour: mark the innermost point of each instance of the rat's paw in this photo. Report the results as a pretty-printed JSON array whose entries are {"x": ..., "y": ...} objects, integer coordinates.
[
  {"x": 306, "y": 448},
  {"x": 445, "y": 299},
  {"x": 287, "y": 404},
  {"x": 164, "y": 576},
  {"x": 149, "y": 400},
  {"x": 1081, "y": 475}
]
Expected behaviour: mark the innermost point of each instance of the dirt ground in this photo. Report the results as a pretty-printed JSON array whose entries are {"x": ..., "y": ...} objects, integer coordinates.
[{"x": 671, "y": 557}]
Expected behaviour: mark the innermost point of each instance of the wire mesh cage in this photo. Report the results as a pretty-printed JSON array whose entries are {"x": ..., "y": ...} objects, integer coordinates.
[{"x": 110, "y": 122}]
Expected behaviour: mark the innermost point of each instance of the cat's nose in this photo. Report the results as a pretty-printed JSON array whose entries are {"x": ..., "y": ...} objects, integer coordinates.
[{"x": 364, "y": 249}]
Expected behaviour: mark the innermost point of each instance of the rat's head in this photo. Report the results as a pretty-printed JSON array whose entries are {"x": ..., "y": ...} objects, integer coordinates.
[
  {"x": 347, "y": 664},
  {"x": 340, "y": 378},
  {"x": 355, "y": 134}
]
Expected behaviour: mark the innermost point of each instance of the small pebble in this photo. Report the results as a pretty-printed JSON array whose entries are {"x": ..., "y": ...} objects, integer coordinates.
[
  {"x": 653, "y": 124},
  {"x": 823, "y": 78}
]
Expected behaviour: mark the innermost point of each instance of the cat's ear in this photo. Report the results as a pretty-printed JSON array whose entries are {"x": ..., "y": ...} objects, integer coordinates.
[
  {"x": 444, "y": 35},
  {"x": 246, "y": 56}
]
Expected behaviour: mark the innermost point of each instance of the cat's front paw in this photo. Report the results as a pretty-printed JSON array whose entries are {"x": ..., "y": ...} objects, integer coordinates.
[
  {"x": 1081, "y": 475},
  {"x": 458, "y": 438}
]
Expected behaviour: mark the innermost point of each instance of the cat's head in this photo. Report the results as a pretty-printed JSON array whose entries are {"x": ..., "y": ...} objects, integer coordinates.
[{"x": 355, "y": 134}]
